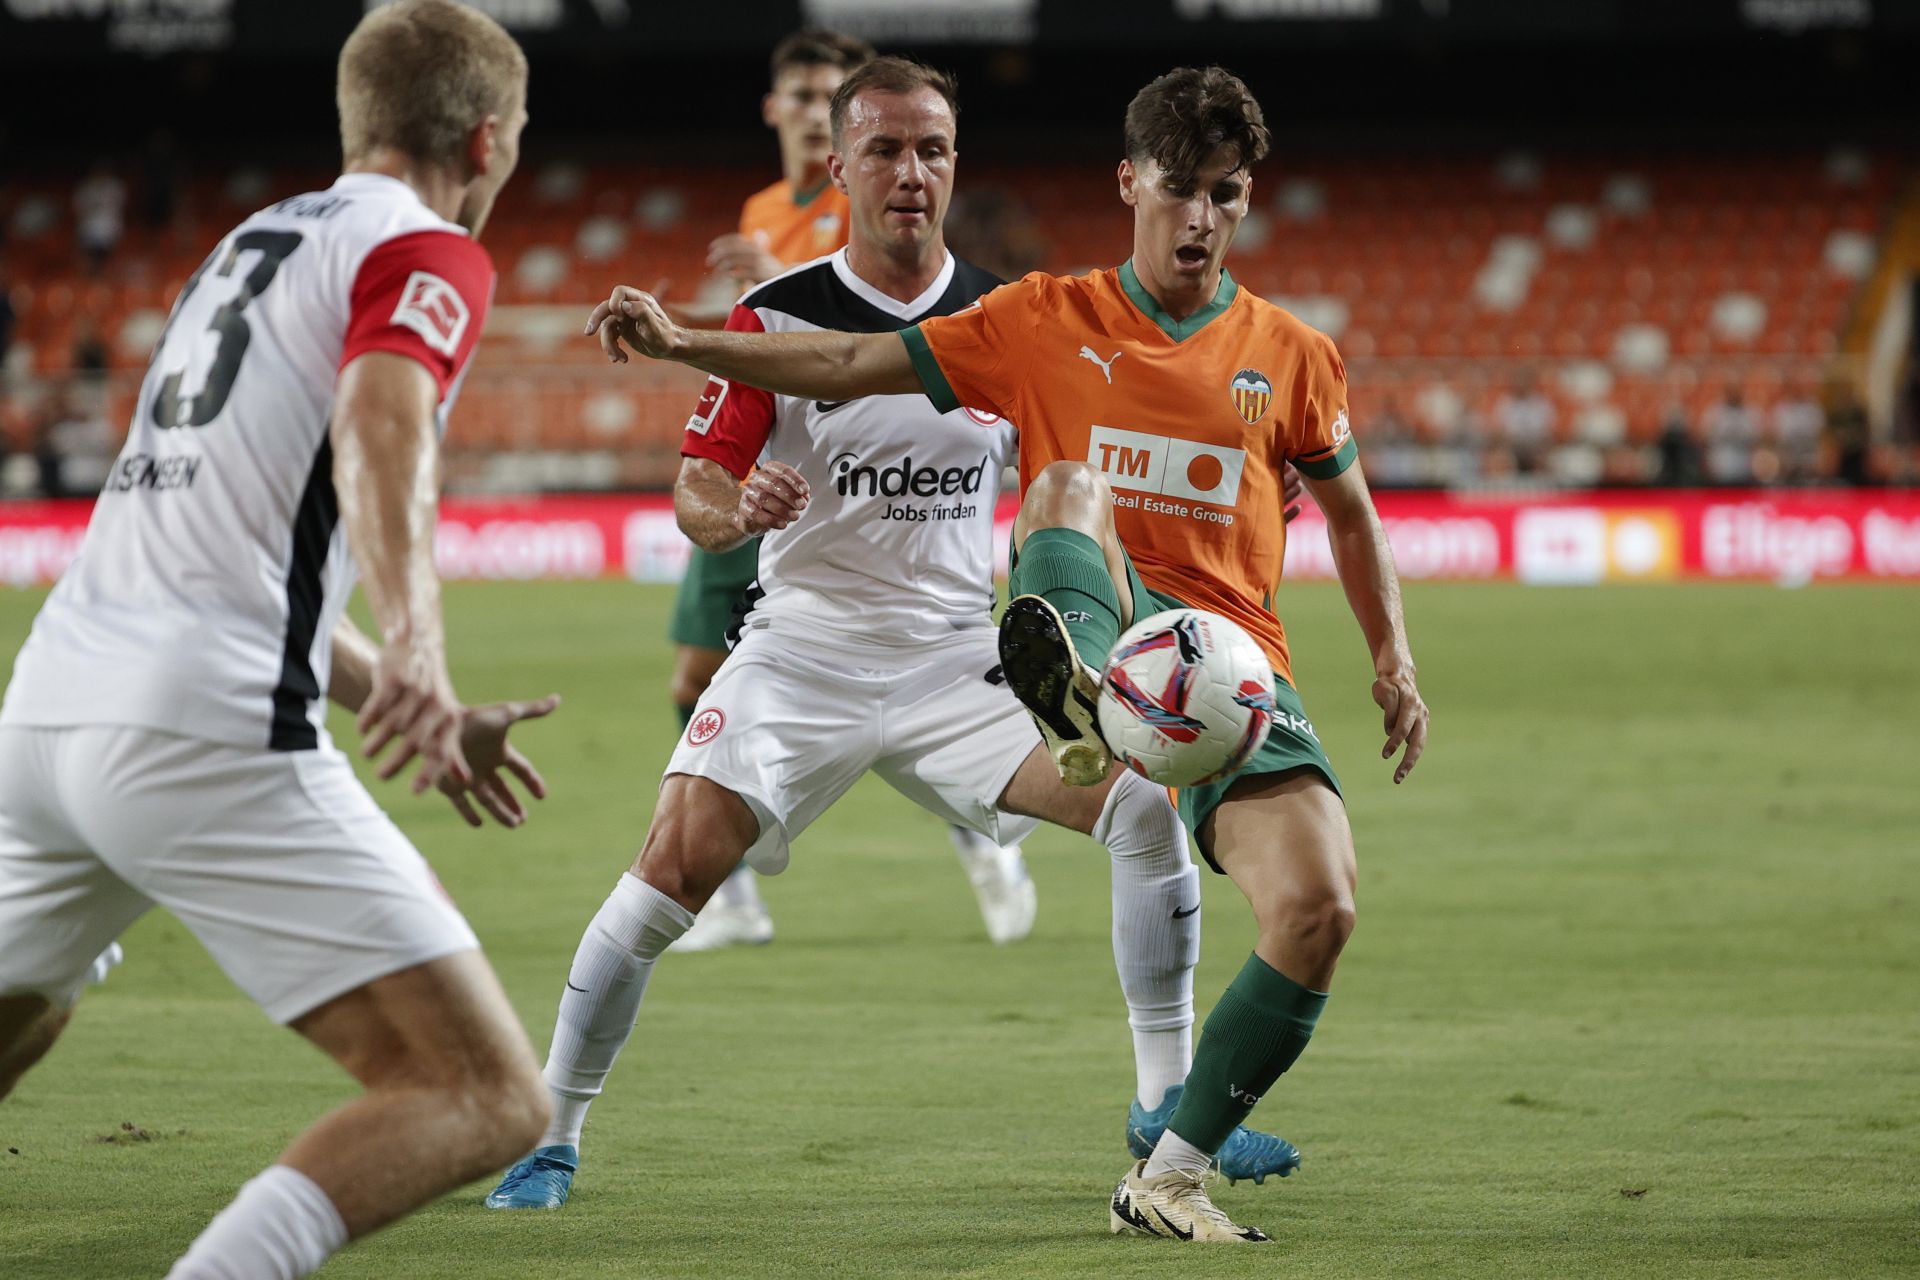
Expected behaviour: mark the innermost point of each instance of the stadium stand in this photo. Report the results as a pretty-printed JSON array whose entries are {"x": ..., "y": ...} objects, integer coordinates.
[{"x": 1553, "y": 319}]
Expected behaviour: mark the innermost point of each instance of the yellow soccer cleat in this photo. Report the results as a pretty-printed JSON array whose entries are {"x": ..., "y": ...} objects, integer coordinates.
[{"x": 1173, "y": 1205}]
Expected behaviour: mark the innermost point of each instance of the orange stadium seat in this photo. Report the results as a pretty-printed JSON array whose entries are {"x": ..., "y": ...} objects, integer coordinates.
[{"x": 1590, "y": 245}]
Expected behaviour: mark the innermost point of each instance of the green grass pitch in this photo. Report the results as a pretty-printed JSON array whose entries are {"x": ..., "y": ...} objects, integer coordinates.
[{"x": 1635, "y": 991}]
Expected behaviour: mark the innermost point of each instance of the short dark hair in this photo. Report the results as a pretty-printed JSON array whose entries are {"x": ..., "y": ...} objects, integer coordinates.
[
  {"x": 1181, "y": 118},
  {"x": 816, "y": 47},
  {"x": 890, "y": 75}
]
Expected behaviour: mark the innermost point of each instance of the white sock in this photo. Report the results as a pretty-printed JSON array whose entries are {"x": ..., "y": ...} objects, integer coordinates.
[
  {"x": 1175, "y": 1152},
  {"x": 1161, "y": 1060},
  {"x": 741, "y": 889},
  {"x": 280, "y": 1227},
  {"x": 1156, "y": 929},
  {"x": 979, "y": 857},
  {"x": 597, "y": 1010}
]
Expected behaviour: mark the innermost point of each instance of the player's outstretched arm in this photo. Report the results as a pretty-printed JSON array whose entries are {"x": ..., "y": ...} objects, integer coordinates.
[
  {"x": 718, "y": 513},
  {"x": 386, "y": 459},
  {"x": 483, "y": 733},
  {"x": 1365, "y": 563},
  {"x": 813, "y": 366}
]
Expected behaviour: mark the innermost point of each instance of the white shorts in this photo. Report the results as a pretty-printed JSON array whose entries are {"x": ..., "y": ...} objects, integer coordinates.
[
  {"x": 789, "y": 725},
  {"x": 278, "y": 861}
]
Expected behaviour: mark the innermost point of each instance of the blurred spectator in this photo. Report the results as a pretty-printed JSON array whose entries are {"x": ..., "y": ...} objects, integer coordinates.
[
  {"x": 1525, "y": 420},
  {"x": 159, "y": 180},
  {"x": 1731, "y": 436},
  {"x": 1394, "y": 457},
  {"x": 1849, "y": 441},
  {"x": 1795, "y": 435},
  {"x": 89, "y": 350},
  {"x": 992, "y": 229},
  {"x": 99, "y": 215},
  {"x": 75, "y": 445},
  {"x": 1679, "y": 463},
  {"x": 7, "y": 319}
]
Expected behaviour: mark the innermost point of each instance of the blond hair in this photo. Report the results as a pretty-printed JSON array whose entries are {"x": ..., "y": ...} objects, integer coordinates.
[{"x": 419, "y": 75}]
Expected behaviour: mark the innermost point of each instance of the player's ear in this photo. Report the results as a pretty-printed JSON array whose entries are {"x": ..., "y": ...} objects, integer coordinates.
[
  {"x": 1128, "y": 178},
  {"x": 481, "y": 145},
  {"x": 768, "y": 115},
  {"x": 837, "y": 172}
]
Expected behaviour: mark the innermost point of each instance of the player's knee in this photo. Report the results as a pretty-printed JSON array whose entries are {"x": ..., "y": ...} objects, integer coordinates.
[
  {"x": 680, "y": 865},
  {"x": 1068, "y": 494},
  {"x": 519, "y": 1112},
  {"x": 693, "y": 670},
  {"x": 1315, "y": 924}
]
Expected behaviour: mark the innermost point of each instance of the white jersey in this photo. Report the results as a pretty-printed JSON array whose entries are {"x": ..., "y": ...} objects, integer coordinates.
[
  {"x": 214, "y": 569},
  {"x": 895, "y": 548}
]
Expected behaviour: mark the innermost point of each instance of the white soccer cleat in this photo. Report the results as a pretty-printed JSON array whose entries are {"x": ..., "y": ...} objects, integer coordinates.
[
  {"x": 725, "y": 925},
  {"x": 1005, "y": 892},
  {"x": 104, "y": 963},
  {"x": 1175, "y": 1206}
]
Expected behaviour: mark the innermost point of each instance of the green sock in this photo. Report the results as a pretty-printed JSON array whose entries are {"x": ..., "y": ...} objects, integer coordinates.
[
  {"x": 1069, "y": 570},
  {"x": 685, "y": 711},
  {"x": 1260, "y": 1026}
]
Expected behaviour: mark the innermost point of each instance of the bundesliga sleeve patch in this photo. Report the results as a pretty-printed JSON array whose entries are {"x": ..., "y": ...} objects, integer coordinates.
[
  {"x": 711, "y": 399},
  {"x": 433, "y": 309}
]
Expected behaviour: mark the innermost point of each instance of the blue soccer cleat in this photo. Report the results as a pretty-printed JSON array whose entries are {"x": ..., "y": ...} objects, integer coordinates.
[
  {"x": 1247, "y": 1153},
  {"x": 541, "y": 1181}
]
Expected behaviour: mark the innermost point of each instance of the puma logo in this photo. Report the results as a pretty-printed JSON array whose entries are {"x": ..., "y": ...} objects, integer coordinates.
[{"x": 1106, "y": 366}]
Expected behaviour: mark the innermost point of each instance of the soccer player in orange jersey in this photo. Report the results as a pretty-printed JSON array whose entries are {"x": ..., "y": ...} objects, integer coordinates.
[
  {"x": 797, "y": 219},
  {"x": 1157, "y": 404}
]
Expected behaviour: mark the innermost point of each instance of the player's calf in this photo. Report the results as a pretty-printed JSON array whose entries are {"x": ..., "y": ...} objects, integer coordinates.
[{"x": 28, "y": 1027}]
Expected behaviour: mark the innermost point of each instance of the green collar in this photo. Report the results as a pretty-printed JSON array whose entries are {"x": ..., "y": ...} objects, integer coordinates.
[
  {"x": 1178, "y": 330},
  {"x": 801, "y": 199}
]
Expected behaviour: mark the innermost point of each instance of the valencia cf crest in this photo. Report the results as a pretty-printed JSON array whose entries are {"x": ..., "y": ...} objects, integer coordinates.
[{"x": 1252, "y": 393}]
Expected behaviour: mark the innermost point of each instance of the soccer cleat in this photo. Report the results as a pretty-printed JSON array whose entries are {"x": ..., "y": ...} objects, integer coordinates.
[
  {"x": 1247, "y": 1153},
  {"x": 104, "y": 963},
  {"x": 726, "y": 925},
  {"x": 540, "y": 1181},
  {"x": 1005, "y": 892},
  {"x": 1173, "y": 1205},
  {"x": 1046, "y": 674}
]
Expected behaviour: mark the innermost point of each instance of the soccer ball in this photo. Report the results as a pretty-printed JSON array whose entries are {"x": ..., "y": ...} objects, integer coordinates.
[{"x": 1187, "y": 697}]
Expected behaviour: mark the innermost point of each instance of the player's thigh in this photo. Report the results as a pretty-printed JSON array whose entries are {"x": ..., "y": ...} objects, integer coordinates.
[
  {"x": 1284, "y": 841},
  {"x": 443, "y": 1022},
  {"x": 955, "y": 738},
  {"x": 279, "y": 862},
  {"x": 788, "y": 731},
  {"x": 699, "y": 833},
  {"x": 711, "y": 592},
  {"x": 60, "y": 905}
]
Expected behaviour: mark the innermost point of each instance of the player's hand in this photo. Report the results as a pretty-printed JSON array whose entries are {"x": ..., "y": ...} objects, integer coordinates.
[
  {"x": 1291, "y": 489},
  {"x": 741, "y": 258},
  {"x": 1406, "y": 718},
  {"x": 411, "y": 702},
  {"x": 483, "y": 740},
  {"x": 636, "y": 318},
  {"x": 772, "y": 498}
]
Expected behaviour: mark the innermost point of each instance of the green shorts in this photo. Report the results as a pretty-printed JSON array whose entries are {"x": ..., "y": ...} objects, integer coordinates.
[
  {"x": 710, "y": 592},
  {"x": 1291, "y": 743}
]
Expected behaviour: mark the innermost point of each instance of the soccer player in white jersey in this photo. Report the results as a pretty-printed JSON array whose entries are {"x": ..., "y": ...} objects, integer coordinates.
[
  {"x": 869, "y": 648},
  {"x": 163, "y": 740}
]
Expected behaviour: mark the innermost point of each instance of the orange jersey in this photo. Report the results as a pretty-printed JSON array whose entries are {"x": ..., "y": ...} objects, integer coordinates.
[
  {"x": 795, "y": 230},
  {"x": 1189, "y": 420}
]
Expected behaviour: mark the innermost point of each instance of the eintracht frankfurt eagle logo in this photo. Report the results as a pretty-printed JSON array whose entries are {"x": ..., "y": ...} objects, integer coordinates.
[
  {"x": 1252, "y": 393},
  {"x": 706, "y": 727}
]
